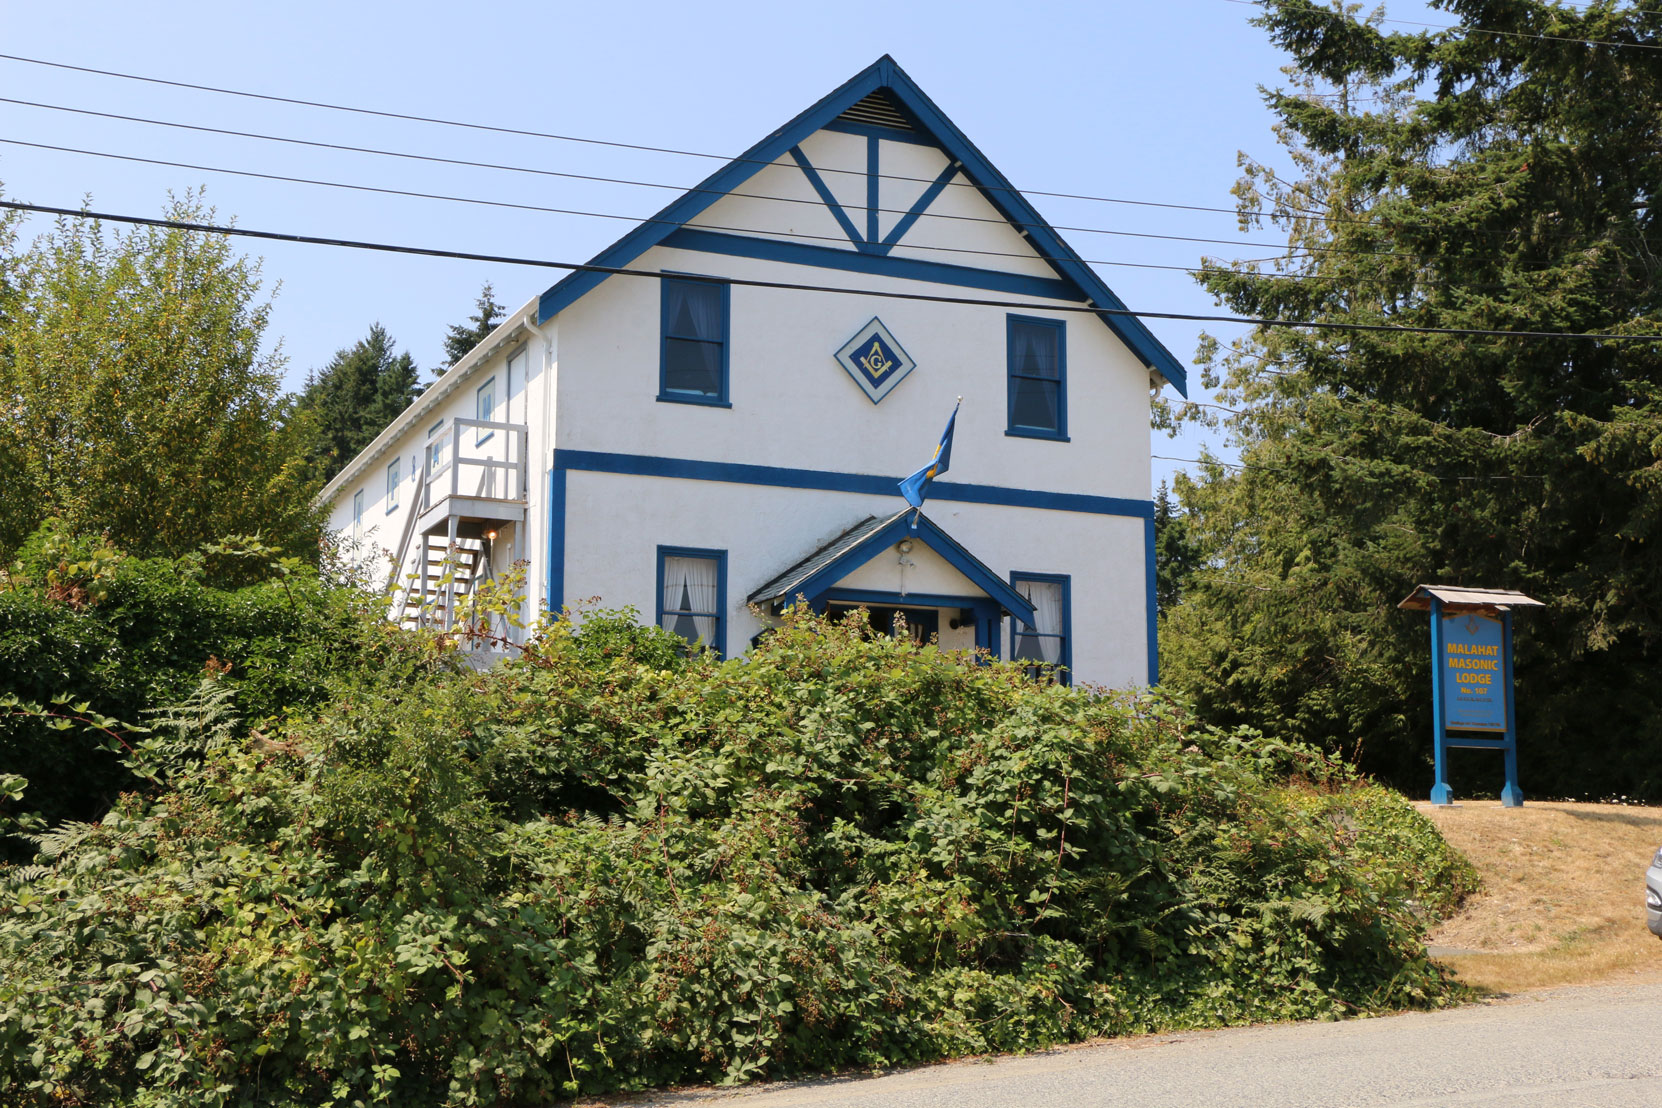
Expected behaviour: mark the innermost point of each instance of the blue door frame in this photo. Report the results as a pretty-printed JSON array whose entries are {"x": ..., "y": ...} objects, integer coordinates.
[{"x": 989, "y": 617}]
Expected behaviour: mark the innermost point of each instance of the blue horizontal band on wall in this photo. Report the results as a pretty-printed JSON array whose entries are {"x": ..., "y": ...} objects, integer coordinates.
[
  {"x": 737, "y": 473},
  {"x": 878, "y": 265}
]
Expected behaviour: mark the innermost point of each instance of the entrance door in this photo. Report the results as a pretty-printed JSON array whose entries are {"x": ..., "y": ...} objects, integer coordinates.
[{"x": 920, "y": 624}]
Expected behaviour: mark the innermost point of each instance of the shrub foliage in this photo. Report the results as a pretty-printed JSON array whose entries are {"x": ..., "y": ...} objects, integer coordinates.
[{"x": 607, "y": 866}]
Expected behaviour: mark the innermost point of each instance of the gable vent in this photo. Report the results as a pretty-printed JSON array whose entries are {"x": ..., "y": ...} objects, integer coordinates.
[{"x": 877, "y": 110}]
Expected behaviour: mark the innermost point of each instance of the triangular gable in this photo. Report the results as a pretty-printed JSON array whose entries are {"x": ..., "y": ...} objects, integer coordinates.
[
  {"x": 821, "y": 570},
  {"x": 920, "y": 114}
]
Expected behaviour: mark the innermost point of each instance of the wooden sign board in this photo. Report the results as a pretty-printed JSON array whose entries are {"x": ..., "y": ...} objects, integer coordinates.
[{"x": 1471, "y": 678}]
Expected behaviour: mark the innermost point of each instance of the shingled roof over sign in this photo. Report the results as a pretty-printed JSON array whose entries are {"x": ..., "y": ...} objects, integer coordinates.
[{"x": 908, "y": 101}]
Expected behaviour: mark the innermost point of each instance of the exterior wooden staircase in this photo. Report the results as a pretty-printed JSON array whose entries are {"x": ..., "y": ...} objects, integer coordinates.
[
  {"x": 433, "y": 601},
  {"x": 445, "y": 551}
]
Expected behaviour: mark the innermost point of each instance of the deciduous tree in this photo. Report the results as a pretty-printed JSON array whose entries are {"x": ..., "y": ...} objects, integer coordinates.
[{"x": 139, "y": 400}]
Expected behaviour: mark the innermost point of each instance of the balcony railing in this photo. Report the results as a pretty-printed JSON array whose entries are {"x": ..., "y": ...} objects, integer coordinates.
[{"x": 477, "y": 460}]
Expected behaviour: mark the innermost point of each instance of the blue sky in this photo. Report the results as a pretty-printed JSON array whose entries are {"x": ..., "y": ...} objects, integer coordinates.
[{"x": 1133, "y": 100}]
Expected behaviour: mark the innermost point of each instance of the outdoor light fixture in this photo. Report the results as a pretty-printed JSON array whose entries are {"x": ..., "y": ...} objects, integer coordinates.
[{"x": 905, "y": 546}]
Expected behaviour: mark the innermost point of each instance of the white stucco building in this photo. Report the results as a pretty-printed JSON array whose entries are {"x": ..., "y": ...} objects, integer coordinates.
[{"x": 709, "y": 445}]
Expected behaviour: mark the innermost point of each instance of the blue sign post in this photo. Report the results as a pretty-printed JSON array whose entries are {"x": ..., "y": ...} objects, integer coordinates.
[{"x": 1471, "y": 679}]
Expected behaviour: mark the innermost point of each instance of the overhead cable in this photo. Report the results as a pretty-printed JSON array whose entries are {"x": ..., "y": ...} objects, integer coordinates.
[
  {"x": 1294, "y": 253},
  {"x": 801, "y": 200},
  {"x": 793, "y": 286}
]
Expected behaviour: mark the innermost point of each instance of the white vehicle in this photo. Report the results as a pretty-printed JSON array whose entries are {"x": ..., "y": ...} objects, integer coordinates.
[{"x": 1653, "y": 895}]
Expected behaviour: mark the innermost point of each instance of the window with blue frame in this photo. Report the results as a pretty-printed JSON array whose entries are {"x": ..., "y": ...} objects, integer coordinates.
[
  {"x": 692, "y": 595},
  {"x": 693, "y": 356},
  {"x": 1047, "y": 642},
  {"x": 1038, "y": 361},
  {"x": 392, "y": 485},
  {"x": 484, "y": 407}
]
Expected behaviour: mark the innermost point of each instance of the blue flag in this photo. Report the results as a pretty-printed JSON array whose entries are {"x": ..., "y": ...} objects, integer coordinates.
[{"x": 917, "y": 485}]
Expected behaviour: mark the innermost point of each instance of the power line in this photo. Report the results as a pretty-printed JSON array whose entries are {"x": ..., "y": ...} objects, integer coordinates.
[
  {"x": 999, "y": 220},
  {"x": 496, "y": 129},
  {"x": 1294, "y": 253},
  {"x": 550, "y": 210},
  {"x": 544, "y": 208},
  {"x": 1477, "y": 30},
  {"x": 623, "y": 271},
  {"x": 1324, "y": 214}
]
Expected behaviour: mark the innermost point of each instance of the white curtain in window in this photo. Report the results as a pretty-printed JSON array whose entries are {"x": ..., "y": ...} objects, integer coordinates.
[
  {"x": 690, "y": 586},
  {"x": 1035, "y": 350},
  {"x": 695, "y": 311},
  {"x": 1046, "y": 645}
]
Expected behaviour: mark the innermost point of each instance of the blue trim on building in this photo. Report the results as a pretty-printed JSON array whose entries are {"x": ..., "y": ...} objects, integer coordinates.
[
  {"x": 556, "y": 539},
  {"x": 994, "y": 186},
  {"x": 720, "y": 616},
  {"x": 936, "y": 187},
  {"x": 872, "y": 190},
  {"x": 909, "y": 600},
  {"x": 1151, "y": 585},
  {"x": 1066, "y": 675},
  {"x": 739, "y": 473},
  {"x": 989, "y": 616},
  {"x": 830, "y": 200},
  {"x": 880, "y": 265},
  {"x": 1060, "y": 432},
  {"x": 907, "y": 525}
]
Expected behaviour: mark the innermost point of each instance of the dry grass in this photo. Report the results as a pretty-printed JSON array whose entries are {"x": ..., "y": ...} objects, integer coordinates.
[{"x": 1563, "y": 895}]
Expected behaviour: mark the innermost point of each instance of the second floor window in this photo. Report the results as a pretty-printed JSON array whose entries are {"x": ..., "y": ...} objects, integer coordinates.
[
  {"x": 1038, "y": 377},
  {"x": 392, "y": 484},
  {"x": 693, "y": 359},
  {"x": 484, "y": 407}
]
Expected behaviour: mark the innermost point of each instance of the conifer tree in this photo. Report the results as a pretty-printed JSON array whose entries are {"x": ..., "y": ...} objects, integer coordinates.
[
  {"x": 1504, "y": 176},
  {"x": 353, "y": 398},
  {"x": 463, "y": 337}
]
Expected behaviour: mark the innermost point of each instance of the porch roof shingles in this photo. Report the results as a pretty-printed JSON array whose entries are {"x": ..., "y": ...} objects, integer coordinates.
[{"x": 784, "y": 585}]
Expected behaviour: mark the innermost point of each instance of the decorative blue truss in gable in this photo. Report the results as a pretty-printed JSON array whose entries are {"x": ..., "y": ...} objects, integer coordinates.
[{"x": 919, "y": 120}]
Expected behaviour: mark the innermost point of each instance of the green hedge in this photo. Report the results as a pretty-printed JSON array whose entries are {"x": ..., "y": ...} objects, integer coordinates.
[
  {"x": 606, "y": 867},
  {"x": 142, "y": 642}
]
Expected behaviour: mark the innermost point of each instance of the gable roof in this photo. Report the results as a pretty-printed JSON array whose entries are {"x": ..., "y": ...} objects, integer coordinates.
[
  {"x": 904, "y": 108},
  {"x": 823, "y": 568}
]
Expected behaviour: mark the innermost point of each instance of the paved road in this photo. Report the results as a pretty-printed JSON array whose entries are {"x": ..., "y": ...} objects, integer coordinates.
[{"x": 1569, "y": 1048}]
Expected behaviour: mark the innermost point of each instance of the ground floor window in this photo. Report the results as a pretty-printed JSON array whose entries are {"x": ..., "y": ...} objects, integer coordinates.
[
  {"x": 1046, "y": 641},
  {"x": 692, "y": 595}
]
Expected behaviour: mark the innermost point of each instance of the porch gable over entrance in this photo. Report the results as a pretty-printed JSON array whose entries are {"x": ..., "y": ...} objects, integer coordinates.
[{"x": 825, "y": 571}]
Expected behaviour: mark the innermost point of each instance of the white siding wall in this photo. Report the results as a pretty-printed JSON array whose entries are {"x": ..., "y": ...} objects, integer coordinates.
[
  {"x": 616, "y": 524},
  {"x": 793, "y": 406}
]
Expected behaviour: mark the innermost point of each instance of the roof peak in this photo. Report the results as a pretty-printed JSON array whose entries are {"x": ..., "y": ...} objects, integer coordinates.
[{"x": 921, "y": 114}]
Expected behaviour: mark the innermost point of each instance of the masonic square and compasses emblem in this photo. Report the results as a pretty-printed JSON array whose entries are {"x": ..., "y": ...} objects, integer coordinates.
[{"x": 875, "y": 360}]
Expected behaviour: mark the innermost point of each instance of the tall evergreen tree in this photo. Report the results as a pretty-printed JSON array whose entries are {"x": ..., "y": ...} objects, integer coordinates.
[
  {"x": 463, "y": 337},
  {"x": 353, "y": 398},
  {"x": 1176, "y": 555},
  {"x": 1502, "y": 175}
]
